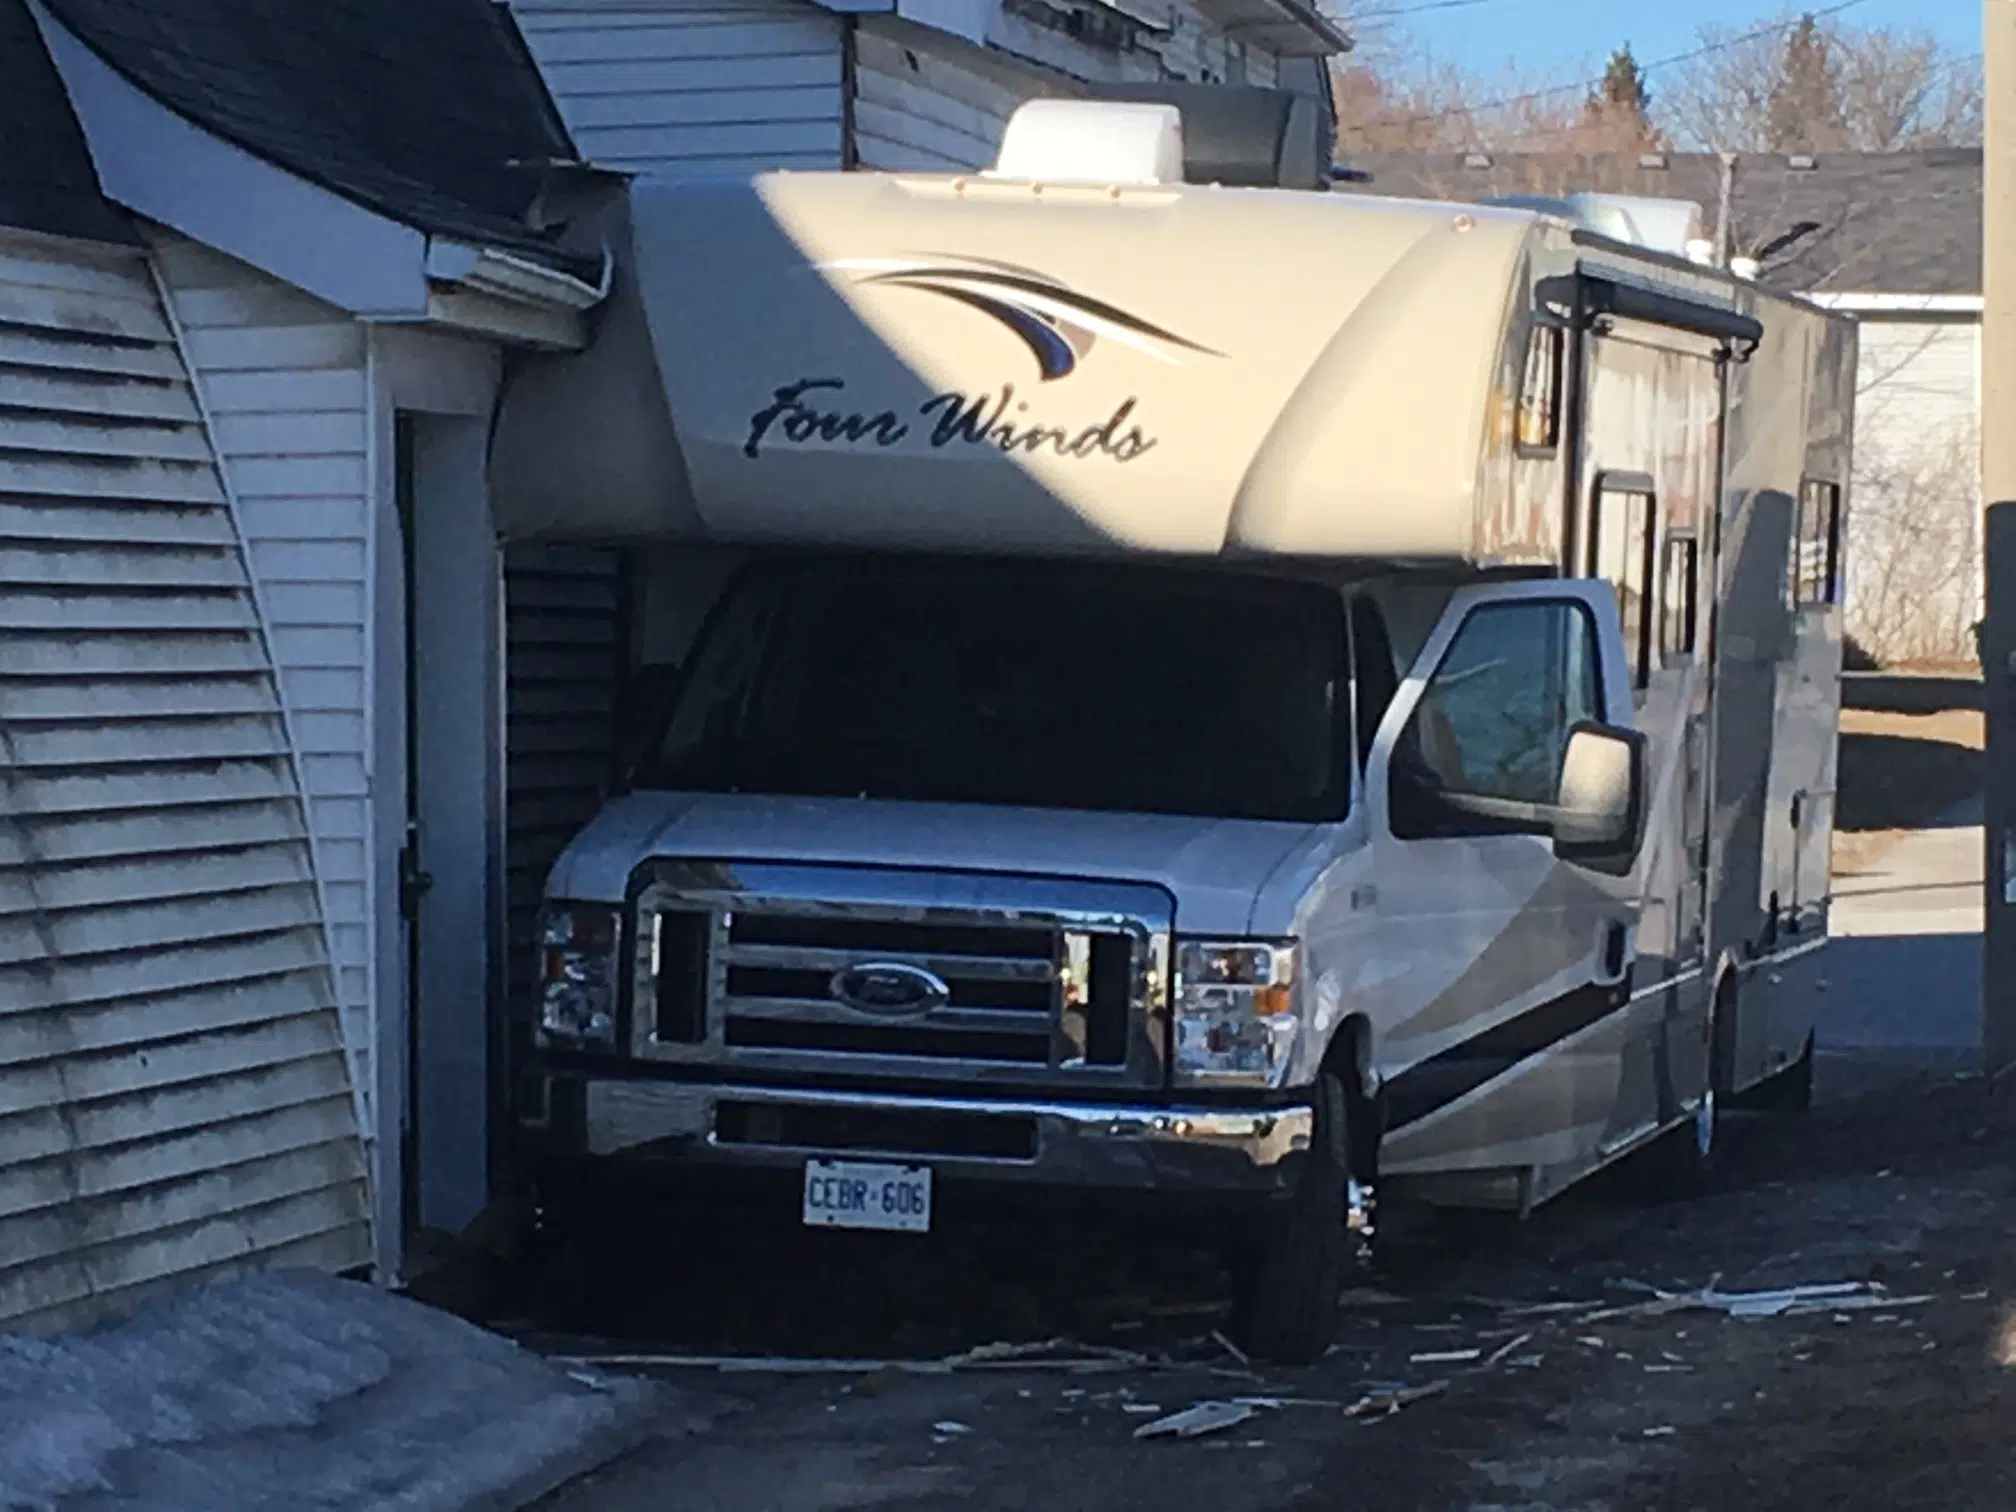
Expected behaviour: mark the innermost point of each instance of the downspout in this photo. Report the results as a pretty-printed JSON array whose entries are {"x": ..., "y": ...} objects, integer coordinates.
[{"x": 850, "y": 147}]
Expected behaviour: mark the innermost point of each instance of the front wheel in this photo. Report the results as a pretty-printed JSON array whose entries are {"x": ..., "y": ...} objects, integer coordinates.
[{"x": 1286, "y": 1286}]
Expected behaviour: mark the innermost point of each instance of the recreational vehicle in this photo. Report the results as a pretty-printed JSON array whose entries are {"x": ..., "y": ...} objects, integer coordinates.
[{"x": 1259, "y": 696}]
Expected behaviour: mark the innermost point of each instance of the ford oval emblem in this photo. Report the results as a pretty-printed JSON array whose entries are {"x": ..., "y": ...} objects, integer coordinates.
[{"x": 890, "y": 989}]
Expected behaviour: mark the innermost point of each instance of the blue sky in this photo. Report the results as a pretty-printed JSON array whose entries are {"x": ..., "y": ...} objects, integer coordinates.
[{"x": 1550, "y": 38}]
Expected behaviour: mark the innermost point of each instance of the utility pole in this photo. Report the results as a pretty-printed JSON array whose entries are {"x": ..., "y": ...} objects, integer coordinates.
[
  {"x": 1998, "y": 496},
  {"x": 1725, "y": 210}
]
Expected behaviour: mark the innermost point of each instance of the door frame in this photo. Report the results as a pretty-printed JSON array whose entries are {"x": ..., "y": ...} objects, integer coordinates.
[{"x": 443, "y": 391}]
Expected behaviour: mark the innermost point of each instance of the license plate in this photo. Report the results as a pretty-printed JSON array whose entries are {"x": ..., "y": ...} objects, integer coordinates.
[{"x": 863, "y": 1195}]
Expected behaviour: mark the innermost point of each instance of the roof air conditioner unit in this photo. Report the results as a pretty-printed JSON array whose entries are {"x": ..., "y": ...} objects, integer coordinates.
[{"x": 1092, "y": 142}]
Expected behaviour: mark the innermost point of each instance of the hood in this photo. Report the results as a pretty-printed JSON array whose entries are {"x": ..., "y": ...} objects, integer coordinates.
[{"x": 1213, "y": 868}]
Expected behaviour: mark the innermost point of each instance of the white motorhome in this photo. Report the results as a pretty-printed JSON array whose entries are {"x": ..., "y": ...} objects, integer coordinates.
[{"x": 1200, "y": 691}]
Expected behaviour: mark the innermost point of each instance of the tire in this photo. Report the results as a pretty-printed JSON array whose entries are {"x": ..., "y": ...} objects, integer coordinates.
[
  {"x": 1788, "y": 1090},
  {"x": 1286, "y": 1286}
]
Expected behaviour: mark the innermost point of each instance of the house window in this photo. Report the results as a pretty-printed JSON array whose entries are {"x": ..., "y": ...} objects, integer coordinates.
[
  {"x": 1540, "y": 390},
  {"x": 1816, "y": 556},
  {"x": 1625, "y": 524},
  {"x": 1678, "y": 598}
]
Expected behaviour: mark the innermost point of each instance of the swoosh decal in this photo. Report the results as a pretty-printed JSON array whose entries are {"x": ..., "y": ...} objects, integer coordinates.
[
  {"x": 1055, "y": 353},
  {"x": 1056, "y": 323}
]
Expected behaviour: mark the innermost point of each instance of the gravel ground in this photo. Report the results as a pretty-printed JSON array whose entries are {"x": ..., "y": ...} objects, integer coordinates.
[{"x": 1899, "y": 1178}]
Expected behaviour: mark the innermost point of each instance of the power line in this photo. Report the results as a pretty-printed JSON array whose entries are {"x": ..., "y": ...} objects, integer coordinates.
[
  {"x": 1706, "y": 50},
  {"x": 1354, "y": 17}
]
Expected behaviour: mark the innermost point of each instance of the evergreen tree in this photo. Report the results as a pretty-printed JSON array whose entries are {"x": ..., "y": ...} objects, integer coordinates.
[
  {"x": 1617, "y": 115},
  {"x": 1805, "y": 112},
  {"x": 1623, "y": 90}
]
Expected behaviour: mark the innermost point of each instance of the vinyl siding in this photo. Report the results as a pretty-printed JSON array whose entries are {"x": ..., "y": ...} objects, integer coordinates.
[
  {"x": 925, "y": 108},
  {"x": 564, "y": 655},
  {"x": 174, "y": 1097},
  {"x": 1914, "y": 583},
  {"x": 283, "y": 376},
  {"x": 692, "y": 86},
  {"x": 1193, "y": 49}
]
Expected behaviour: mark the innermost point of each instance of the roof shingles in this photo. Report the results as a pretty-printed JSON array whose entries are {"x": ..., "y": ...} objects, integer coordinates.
[
  {"x": 47, "y": 183},
  {"x": 427, "y": 111},
  {"x": 1889, "y": 222}
]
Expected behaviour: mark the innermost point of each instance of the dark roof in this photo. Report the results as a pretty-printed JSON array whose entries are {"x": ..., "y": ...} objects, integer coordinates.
[
  {"x": 47, "y": 182},
  {"x": 428, "y": 111},
  {"x": 1890, "y": 222}
]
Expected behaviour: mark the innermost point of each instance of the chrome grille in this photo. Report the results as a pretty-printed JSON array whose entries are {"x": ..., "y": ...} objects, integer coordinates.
[
  {"x": 777, "y": 993},
  {"x": 1035, "y": 983}
]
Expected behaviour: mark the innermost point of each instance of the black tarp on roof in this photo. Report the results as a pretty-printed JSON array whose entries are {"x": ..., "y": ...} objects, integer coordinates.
[
  {"x": 47, "y": 183},
  {"x": 428, "y": 111}
]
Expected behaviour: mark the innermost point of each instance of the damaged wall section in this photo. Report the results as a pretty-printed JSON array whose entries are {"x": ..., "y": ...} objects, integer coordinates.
[{"x": 174, "y": 1096}]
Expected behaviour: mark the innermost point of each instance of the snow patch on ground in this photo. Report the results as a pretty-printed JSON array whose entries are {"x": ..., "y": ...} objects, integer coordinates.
[{"x": 299, "y": 1392}]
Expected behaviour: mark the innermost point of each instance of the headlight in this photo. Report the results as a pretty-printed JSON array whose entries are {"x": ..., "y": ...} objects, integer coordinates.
[
  {"x": 577, "y": 977},
  {"x": 1235, "y": 1011}
]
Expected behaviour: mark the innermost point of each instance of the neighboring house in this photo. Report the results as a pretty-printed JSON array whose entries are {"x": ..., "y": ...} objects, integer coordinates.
[
  {"x": 289, "y": 734},
  {"x": 1896, "y": 242},
  {"x": 174, "y": 1097},
  {"x": 700, "y": 85}
]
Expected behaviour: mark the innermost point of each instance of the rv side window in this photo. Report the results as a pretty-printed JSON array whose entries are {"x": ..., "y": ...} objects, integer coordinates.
[
  {"x": 1817, "y": 553},
  {"x": 1540, "y": 390},
  {"x": 1626, "y": 522},
  {"x": 1493, "y": 722},
  {"x": 1677, "y": 599}
]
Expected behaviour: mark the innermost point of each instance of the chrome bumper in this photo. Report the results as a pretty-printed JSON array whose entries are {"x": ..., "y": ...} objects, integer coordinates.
[{"x": 1076, "y": 1145}]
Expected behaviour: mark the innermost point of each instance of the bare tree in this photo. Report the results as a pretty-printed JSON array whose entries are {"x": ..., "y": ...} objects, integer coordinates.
[
  {"x": 1913, "y": 578},
  {"x": 1793, "y": 83},
  {"x": 1394, "y": 95},
  {"x": 1807, "y": 84}
]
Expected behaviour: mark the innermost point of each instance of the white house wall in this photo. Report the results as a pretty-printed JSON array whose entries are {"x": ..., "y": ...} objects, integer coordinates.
[
  {"x": 1914, "y": 588},
  {"x": 284, "y": 378},
  {"x": 931, "y": 109},
  {"x": 1918, "y": 383},
  {"x": 692, "y": 86},
  {"x": 1191, "y": 49},
  {"x": 174, "y": 1098},
  {"x": 701, "y": 86}
]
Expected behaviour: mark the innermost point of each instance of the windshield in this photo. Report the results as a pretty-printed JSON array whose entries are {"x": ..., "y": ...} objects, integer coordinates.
[{"x": 1046, "y": 685}]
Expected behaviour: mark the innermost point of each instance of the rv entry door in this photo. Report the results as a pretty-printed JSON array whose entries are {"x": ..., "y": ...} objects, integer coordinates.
[{"x": 1504, "y": 1036}]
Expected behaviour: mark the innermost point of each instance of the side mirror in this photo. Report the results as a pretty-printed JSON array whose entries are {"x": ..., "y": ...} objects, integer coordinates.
[{"x": 1599, "y": 810}]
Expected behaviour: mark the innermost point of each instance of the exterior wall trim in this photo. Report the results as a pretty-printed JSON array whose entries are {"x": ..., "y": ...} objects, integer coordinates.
[
  {"x": 1900, "y": 304},
  {"x": 167, "y": 168},
  {"x": 256, "y": 587}
]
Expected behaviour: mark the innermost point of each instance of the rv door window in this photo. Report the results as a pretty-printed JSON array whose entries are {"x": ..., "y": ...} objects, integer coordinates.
[
  {"x": 1626, "y": 522},
  {"x": 1540, "y": 391},
  {"x": 1030, "y": 684},
  {"x": 1677, "y": 599},
  {"x": 1817, "y": 552},
  {"x": 1493, "y": 723}
]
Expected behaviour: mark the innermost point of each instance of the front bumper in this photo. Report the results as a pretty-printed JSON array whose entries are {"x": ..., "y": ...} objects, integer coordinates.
[{"x": 1178, "y": 1150}]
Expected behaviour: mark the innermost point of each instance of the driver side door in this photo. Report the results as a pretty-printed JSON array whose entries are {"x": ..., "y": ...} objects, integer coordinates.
[{"x": 1502, "y": 1025}]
